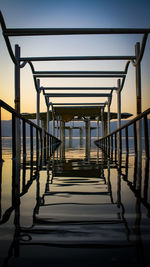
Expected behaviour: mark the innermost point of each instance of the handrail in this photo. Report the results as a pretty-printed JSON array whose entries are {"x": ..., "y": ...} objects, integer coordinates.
[
  {"x": 47, "y": 141},
  {"x": 146, "y": 112},
  {"x": 106, "y": 142}
]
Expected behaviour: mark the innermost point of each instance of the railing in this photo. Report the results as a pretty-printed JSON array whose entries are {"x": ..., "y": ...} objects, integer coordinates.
[
  {"x": 45, "y": 142},
  {"x": 114, "y": 139}
]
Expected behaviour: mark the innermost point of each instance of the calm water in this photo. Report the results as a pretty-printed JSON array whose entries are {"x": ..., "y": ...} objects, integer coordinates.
[{"x": 76, "y": 209}]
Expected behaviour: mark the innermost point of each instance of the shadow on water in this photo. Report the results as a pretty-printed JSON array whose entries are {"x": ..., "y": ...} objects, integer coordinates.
[{"x": 76, "y": 208}]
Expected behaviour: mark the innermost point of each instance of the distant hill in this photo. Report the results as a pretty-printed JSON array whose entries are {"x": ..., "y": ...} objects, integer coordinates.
[{"x": 6, "y": 128}]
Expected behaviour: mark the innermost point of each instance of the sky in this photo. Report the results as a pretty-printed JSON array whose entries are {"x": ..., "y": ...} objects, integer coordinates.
[{"x": 75, "y": 14}]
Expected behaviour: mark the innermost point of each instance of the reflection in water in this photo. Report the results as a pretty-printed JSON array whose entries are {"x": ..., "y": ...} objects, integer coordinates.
[{"x": 82, "y": 211}]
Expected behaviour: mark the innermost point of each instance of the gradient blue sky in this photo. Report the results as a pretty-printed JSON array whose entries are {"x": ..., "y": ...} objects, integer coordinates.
[{"x": 95, "y": 13}]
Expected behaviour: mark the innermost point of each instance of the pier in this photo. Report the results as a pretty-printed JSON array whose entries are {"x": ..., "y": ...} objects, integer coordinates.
[{"x": 74, "y": 199}]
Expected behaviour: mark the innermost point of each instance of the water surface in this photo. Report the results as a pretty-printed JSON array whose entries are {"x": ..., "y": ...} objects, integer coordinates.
[{"x": 74, "y": 209}]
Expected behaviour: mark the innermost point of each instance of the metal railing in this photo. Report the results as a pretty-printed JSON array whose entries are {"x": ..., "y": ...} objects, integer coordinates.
[
  {"x": 113, "y": 141},
  {"x": 45, "y": 142}
]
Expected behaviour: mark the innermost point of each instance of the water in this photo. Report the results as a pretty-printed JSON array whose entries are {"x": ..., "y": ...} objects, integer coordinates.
[{"x": 77, "y": 210}]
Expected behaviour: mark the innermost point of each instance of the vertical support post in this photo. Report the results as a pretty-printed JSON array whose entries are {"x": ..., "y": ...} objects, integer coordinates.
[
  {"x": 31, "y": 142},
  {"x": 13, "y": 137},
  {"x": 146, "y": 137},
  {"x": 53, "y": 115},
  {"x": 118, "y": 104},
  {"x": 87, "y": 126},
  {"x": 17, "y": 79},
  {"x": 97, "y": 127},
  {"x": 102, "y": 122},
  {"x": 38, "y": 103},
  {"x": 37, "y": 145},
  {"x": 119, "y": 118},
  {"x": 81, "y": 137},
  {"x": 57, "y": 126},
  {"x": 63, "y": 138},
  {"x": 108, "y": 117},
  {"x": 47, "y": 118},
  {"x": 138, "y": 100},
  {"x": 70, "y": 137},
  {"x": 17, "y": 102},
  {"x": 24, "y": 138}
]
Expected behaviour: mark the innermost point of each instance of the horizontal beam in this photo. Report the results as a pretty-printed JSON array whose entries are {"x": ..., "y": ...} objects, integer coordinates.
[
  {"x": 77, "y": 95},
  {"x": 72, "y": 31},
  {"x": 78, "y": 88},
  {"x": 77, "y": 104},
  {"x": 98, "y": 107},
  {"x": 72, "y": 58},
  {"x": 79, "y": 72},
  {"x": 79, "y": 76}
]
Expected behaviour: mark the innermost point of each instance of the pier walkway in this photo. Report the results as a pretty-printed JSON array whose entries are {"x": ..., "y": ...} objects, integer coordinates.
[{"x": 82, "y": 204}]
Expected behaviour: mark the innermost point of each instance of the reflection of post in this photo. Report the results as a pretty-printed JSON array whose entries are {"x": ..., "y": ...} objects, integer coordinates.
[
  {"x": 70, "y": 137},
  {"x": 81, "y": 137},
  {"x": 87, "y": 129},
  {"x": 108, "y": 181},
  {"x": 63, "y": 138},
  {"x": 146, "y": 181},
  {"x": 118, "y": 189},
  {"x": 139, "y": 173},
  {"x": 16, "y": 203},
  {"x": 105, "y": 127},
  {"x": 44, "y": 127}
]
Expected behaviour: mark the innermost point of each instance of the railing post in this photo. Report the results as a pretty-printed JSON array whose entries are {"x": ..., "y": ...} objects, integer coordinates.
[{"x": 38, "y": 103}]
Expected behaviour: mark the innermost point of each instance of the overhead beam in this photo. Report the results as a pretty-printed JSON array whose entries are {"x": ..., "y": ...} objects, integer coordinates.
[
  {"x": 72, "y": 58},
  {"x": 77, "y": 94},
  {"x": 77, "y": 104},
  {"x": 78, "y": 76},
  {"x": 72, "y": 31},
  {"x": 78, "y": 88},
  {"x": 79, "y": 72}
]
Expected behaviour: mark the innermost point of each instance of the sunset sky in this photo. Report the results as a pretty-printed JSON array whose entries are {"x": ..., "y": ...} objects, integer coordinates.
[{"x": 75, "y": 14}]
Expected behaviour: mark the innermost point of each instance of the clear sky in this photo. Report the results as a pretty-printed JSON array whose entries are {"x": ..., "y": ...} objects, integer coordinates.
[{"x": 75, "y": 14}]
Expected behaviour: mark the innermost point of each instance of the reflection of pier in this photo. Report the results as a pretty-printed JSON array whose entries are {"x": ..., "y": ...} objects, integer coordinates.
[{"x": 77, "y": 205}]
